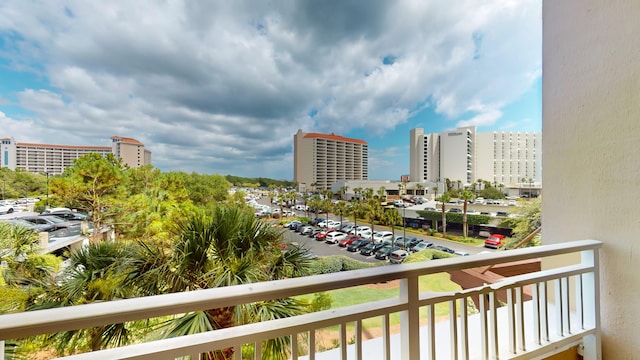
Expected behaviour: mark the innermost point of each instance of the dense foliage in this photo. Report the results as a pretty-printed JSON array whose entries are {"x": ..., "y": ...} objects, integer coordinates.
[
  {"x": 472, "y": 219},
  {"x": 259, "y": 182}
]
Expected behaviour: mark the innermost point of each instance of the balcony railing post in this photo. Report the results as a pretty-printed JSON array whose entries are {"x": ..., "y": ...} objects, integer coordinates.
[
  {"x": 591, "y": 304},
  {"x": 410, "y": 319}
]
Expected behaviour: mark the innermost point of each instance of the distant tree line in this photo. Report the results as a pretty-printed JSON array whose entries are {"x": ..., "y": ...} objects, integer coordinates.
[{"x": 259, "y": 182}]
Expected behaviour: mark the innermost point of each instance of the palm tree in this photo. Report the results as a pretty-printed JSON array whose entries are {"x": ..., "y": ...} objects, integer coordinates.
[
  {"x": 444, "y": 198},
  {"x": 226, "y": 247},
  {"x": 357, "y": 191},
  {"x": 343, "y": 191},
  {"x": 373, "y": 211},
  {"x": 356, "y": 208},
  {"x": 95, "y": 273},
  {"x": 382, "y": 194},
  {"x": 340, "y": 208},
  {"x": 419, "y": 187},
  {"x": 465, "y": 195},
  {"x": 435, "y": 192},
  {"x": 392, "y": 218}
]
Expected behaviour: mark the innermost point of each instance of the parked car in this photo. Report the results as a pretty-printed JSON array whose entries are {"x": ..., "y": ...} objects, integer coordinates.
[
  {"x": 495, "y": 241},
  {"x": 454, "y": 210},
  {"x": 383, "y": 252},
  {"x": 306, "y": 230},
  {"x": 31, "y": 226},
  {"x": 398, "y": 256},
  {"x": 348, "y": 240},
  {"x": 366, "y": 234},
  {"x": 345, "y": 228},
  {"x": 370, "y": 248},
  {"x": 502, "y": 213},
  {"x": 401, "y": 241},
  {"x": 444, "y": 249},
  {"x": 322, "y": 235},
  {"x": 315, "y": 222},
  {"x": 68, "y": 215},
  {"x": 63, "y": 228},
  {"x": 7, "y": 208},
  {"x": 421, "y": 246},
  {"x": 413, "y": 242},
  {"x": 334, "y": 237},
  {"x": 380, "y": 236},
  {"x": 314, "y": 232},
  {"x": 359, "y": 230},
  {"x": 293, "y": 224},
  {"x": 357, "y": 245},
  {"x": 461, "y": 253}
]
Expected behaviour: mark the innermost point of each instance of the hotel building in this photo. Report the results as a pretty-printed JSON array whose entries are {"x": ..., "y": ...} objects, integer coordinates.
[
  {"x": 320, "y": 160},
  {"x": 465, "y": 155},
  {"x": 54, "y": 159}
]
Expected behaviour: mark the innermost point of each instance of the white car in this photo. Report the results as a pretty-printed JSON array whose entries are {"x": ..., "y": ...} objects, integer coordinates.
[
  {"x": 366, "y": 234},
  {"x": 380, "y": 236},
  {"x": 6, "y": 208},
  {"x": 334, "y": 237},
  {"x": 359, "y": 230}
]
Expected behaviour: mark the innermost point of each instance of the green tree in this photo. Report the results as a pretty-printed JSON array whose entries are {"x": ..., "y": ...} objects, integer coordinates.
[
  {"x": 465, "y": 195},
  {"x": 373, "y": 211},
  {"x": 93, "y": 184},
  {"x": 435, "y": 192},
  {"x": 228, "y": 247},
  {"x": 392, "y": 218},
  {"x": 529, "y": 219},
  {"x": 444, "y": 198},
  {"x": 95, "y": 273},
  {"x": 341, "y": 208}
]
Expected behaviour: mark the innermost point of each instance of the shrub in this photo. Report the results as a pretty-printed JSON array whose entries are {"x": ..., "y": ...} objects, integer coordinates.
[{"x": 332, "y": 264}]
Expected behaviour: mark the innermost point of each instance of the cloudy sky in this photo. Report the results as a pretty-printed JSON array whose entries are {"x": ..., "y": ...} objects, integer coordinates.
[{"x": 222, "y": 86}]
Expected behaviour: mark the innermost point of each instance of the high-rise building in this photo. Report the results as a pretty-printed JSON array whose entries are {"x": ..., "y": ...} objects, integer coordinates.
[
  {"x": 131, "y": 151},
  {"x": 465, "y": 155},
  {"x": 319, "y": 160},
  {"x": 54, "y": 159}
]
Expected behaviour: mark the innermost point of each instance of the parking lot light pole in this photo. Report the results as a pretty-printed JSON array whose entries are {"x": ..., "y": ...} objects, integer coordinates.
[{"x": 46, "y": 202}]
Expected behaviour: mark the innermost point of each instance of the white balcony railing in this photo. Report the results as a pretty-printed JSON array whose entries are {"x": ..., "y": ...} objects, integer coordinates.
[{"x": 563, "y": 311}]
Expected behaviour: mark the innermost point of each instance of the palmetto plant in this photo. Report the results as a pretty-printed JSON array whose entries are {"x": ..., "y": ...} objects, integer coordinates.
[
  {"x": 224, "y": 246},
  {"x": 228, "y": 247}
]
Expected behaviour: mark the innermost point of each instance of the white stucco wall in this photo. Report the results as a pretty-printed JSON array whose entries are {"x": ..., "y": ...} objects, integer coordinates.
[{"x": 591, "y": 149}]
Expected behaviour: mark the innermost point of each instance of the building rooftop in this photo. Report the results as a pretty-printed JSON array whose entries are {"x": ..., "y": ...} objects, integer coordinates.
[{"x": 334, "y": 137}]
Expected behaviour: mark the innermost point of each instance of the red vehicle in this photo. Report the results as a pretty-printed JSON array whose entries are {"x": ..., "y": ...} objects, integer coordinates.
[
  {"x": 494, "y": 241},
  {"x": 346, "y": 242},
  {"x": 322, "y": 235}
]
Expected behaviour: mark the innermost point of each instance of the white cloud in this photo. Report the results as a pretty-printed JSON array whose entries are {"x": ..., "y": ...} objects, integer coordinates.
[{"x": 217, "y": 87}]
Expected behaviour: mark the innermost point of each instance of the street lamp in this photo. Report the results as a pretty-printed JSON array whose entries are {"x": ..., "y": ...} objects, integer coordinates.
[
  {"x": 404, "y": 226},
  {"x": 46, "y": 203}
]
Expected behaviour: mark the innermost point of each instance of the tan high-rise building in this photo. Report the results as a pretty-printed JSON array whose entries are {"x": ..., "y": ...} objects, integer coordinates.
[
  {"x": 320, "y": 160},
  {"x": 131, "y": 151},
  {"x": 54, "y": 159}
]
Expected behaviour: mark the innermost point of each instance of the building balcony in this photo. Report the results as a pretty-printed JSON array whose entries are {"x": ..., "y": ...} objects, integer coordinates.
[{"x": 533, "y": 315}]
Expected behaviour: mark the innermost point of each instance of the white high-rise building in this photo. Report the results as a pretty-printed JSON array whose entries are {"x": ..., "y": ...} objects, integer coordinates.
[{"x": 465, "y": 155}]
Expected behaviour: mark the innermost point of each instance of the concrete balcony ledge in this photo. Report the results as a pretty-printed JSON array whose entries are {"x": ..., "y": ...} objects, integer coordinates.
[{"x": 563, "y": 311}]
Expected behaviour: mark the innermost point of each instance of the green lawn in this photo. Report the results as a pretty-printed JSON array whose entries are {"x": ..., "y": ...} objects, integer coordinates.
[{"x": 352, "y": 296}]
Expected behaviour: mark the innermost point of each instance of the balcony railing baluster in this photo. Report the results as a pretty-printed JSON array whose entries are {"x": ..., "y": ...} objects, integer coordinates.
[{"x": 521, "y": 330}]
